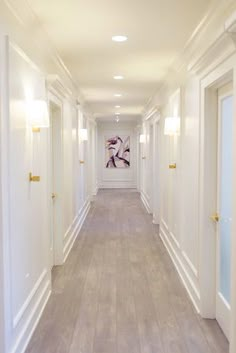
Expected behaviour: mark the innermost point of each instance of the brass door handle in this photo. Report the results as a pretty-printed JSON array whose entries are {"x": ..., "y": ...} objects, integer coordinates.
[
  {"x": 34, "y": 178},
  {"x": 53, "y": 195},
  {"x": 81, "y": 162},
  {"x": 172, "y": 166},
  {"x": 215, "y": 217}
]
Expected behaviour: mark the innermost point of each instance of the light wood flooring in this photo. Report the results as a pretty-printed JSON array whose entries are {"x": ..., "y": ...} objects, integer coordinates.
[{"x": 119, "y": 292}]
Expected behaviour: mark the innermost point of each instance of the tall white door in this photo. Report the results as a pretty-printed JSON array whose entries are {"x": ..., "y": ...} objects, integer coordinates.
[
  {"x": 56, "y": 173},
  {"x": 224, "y": 206}
]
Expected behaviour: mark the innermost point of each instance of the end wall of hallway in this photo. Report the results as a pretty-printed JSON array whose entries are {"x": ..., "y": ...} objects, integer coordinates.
[{"x": 116, "y": 177}]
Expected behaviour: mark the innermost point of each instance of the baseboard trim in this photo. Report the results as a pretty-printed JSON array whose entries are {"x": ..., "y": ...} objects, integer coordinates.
[
  {"x": 28, "y": 327},
  {"x": 145, "y": 202},
  {"x": 75, "y": 229},
  {"x": 184, "y": 270},
  {"x": 29, "y": 299},
  {"x": 117, "y": 185},
  {"x": 95, "y": 191}
]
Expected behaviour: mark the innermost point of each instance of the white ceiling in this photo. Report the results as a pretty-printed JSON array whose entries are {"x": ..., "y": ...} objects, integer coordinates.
[{"x": 81, "y": 31}]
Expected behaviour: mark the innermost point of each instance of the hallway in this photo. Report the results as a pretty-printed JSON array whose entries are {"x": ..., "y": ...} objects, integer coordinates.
[{"x": 119, "y": 292}]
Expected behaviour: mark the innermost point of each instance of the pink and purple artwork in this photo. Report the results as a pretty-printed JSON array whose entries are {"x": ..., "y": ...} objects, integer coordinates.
[{"x": 117, "y": 152}]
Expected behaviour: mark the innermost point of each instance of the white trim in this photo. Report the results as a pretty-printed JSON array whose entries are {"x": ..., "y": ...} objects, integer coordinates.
[
  {"x": 57, "y": 250},
  {"x": 116, "y": 185},
  {"x": 233, "y": 245},
  {"x": 208, "y": 203},
  {"x": 30, "y": 297},
  {"x": 230, "y": 23},
  {"x": 190, "y": 264},
  {"x": 171, "y": 234},
  {"x": 32, "y": 321},
  {"x": 56, "y": 85},
  {"x": 145, "y": 201},
  {"x": 71, "y": 227},
  {"x": 174, "y": 239},
  {"x": 190, "y": 283},
  {"x": 95, "y": 191},
  {"x": 24, "y": 56},
  {"x": 4, "y": 92},
  {"x": 150, "y": 114},
  {"x": 222, "y": 309},
  {"x": 75, "y": 228},
  {"x": 122, "y": 180}
]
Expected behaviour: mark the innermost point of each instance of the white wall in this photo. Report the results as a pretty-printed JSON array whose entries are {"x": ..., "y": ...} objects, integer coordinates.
[
  {"x": 28, "y": 237},
  {"x": 117, "y": 177},
  {"x": 185, "y": 225},
  {"x": 179, "y": 187},
  {"x": 27, "y": 60}
]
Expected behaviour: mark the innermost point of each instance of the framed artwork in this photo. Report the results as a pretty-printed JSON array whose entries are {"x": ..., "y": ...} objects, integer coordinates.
[{"x": 117, "y": 151}]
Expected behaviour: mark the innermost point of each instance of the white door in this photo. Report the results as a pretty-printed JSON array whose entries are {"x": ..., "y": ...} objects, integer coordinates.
[
  {"x": 150, "y": 170},
  {"x": 56, "y": 190},
  {"x": 224, "y": 206},
  {"x": 156, "y": 173}
]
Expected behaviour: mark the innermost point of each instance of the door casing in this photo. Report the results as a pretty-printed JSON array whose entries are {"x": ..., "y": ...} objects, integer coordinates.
[
  {"x": 209, "y": 84},
  {"x": 56, "y": 243},
  {"x": 222, "y": 308}
]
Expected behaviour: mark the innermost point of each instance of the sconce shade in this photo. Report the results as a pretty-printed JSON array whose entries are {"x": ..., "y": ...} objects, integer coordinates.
[
  {"x": 172, "y": 126},
  {"x": 83, "y": 134},
  {"x": 142, "y": 138},
  {"x": 38, "y": 114}
]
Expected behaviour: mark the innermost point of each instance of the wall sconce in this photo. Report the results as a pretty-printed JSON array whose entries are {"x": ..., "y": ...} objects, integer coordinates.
[
  {"x": 172, "y": 126},
  {"x": 38, "y": 115},
  {"x": 83, "y": 134},
  {"x": 142, "y": 138}
]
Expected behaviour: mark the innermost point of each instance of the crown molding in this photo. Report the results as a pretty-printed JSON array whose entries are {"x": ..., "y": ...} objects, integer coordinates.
[
  {"x": 55, "y": 84},
  {"x": 212, "y": 42},
  {"x": 155, "y": 110},
  {"x": 230, "y": 27},
  {"x": 210, "y": 28},
  {"x": 220, "y": 50},
  {"x": 22, "y": 17}
]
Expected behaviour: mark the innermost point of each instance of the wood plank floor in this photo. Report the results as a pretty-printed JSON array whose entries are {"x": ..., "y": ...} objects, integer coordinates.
[{"x": 118, "y": 292}]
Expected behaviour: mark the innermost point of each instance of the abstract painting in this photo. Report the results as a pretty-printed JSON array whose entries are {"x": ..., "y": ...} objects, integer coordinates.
[{"x": 117, "y": 152}]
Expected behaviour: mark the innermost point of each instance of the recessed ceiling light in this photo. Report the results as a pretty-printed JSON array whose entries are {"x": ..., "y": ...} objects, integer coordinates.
[
  {"x": 117, "y": 106},
  {"x": 117, "y": 95},
  {"x": 119, "y": 38},
  {"x": 117, "y": 113},
  {"x": 118, "y": 77}
]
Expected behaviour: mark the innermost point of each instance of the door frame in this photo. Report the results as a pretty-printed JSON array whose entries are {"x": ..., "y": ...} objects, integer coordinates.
[
  {"x": 225, "y": 73},
  {"x": 5, "y": 298},
  {"x": 56, "y": 246},
  {"x": 228, "y": 91}
]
